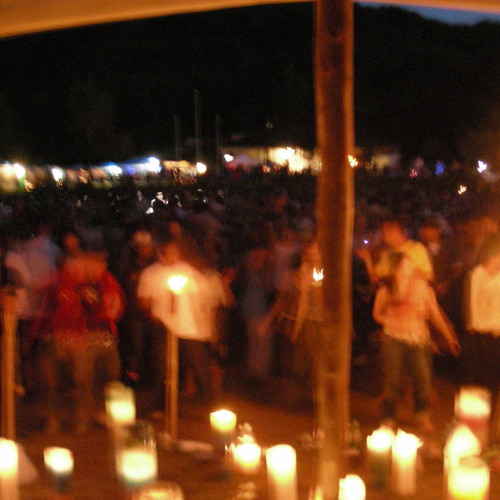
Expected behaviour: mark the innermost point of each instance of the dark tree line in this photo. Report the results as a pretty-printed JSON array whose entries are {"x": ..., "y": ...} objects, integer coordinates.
[{"x": 111, "y": 92}]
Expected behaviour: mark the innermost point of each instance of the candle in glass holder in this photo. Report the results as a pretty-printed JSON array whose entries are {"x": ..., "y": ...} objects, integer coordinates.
[
  {"x": 9, "y": 464},
  {"x": 282, "y": 472},
  {"x": 404, "y": 464},
  {"x": 59, "y": 463},
  {"x": 136, "y": 460},
  {"x": 161, "y": 490},
  {"x": 136, "y": 467},
  {"x": 120, "y": 404},
  {"x": 473, "y": 408},
  {"x": 247, "y": 458},
  {"x": 469, "y": 480},
  {"x": 379, "y": 445},
  {"x": 223, "y": 424},
  {"x": 352, "y": 487}
]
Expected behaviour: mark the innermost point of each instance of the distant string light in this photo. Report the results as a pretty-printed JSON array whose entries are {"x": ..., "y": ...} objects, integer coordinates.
[
  {"x": 352, "y": 161},
  {"x": 462, "y": 189},
  {"x": 413, "y": 173},
  {"x": 481, "y": 166},
  {"x": 19, "y": 170}
]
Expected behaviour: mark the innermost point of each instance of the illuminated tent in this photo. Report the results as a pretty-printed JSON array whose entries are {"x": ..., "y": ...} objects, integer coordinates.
[{"x": 18, "y": 17}]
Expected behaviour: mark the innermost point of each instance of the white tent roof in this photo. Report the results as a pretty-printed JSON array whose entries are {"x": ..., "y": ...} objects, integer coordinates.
[{"x": 18, "y": 17}]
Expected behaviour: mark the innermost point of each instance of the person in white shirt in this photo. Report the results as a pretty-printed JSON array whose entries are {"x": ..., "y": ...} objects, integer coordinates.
[
  {"x": 482, "y": 300},
  {"x": 188, "y": 314}
]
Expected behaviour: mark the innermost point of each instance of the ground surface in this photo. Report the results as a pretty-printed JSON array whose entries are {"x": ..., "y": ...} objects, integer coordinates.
[{"x": 203, "y": 479}]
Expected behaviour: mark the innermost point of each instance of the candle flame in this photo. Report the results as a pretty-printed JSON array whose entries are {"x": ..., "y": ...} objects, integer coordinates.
[
  {"x": 177, "y": 283},
  {"x": 353, "y": 162},
  {"x": 318, "y": 275}
]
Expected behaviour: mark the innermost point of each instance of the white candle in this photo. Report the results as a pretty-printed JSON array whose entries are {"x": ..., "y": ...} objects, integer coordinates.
[
  {"x": 404, "y": 464},
  {"x": 120, "y": 404},
  {"x": 379, "y": 445},
  {"x": 473, "y": 408},
  {"x": 461, "y": 443},
  {"x": 469, "y": 480},
  {"x": 247, "y": 458},
  {"x": 223, "y": 423},
  {"x": 59, "y": 462},
  {"x": 136, "y": 467},
  {"x": 9, "y": 464},
  {"x": 352, "y": 487},
  {"x": 121, "y": 412},
  {"x": 282, "y": 472}
]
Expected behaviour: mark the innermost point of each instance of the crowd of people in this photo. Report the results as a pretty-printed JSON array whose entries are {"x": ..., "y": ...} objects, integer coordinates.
[{"x": 235, "y": 274}]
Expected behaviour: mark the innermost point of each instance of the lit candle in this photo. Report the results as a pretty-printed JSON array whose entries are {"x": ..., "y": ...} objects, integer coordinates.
[
  {"x": 282, "y": 472},
  {"x": 223, "y": 423},
  {"x": 175, "y": 284},
  {"x": 136, "y": 467},
  {"x": 469, "y": 480},
  {"x": 461, "y": 443},
  {"x": 247, "y": 458},
  {"x": 59, "y": 462},
  {"x": 404, "y": 464},
  {"x": 352, "y": 487},
  {"x": 473, "y": 408},
  {"x": 161, "y": 490},
  {"x": 120, "y": 404},
  {"x": 9, "y": 464},
  {"x": 379, "y": 445}
]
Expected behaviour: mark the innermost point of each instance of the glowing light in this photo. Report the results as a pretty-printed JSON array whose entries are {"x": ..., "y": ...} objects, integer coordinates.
[
  {"x": 461, "y": 189},
  {"x": 284, "y": 154},
  {"x": 413, "y": 173},
  {"x": 177, "y": 283},
  {"x": 153, "y": 164},
  {"x": 352, "y": 487},
  {"x": 352, "y": 161},
  {"x": 440, "y": 168},
  {"x": 19, "y": 170},
  {"x": 114, "y": 170},
  {"x": 228, "y": 158},
  {"x": 265, "y": 169},
  {"x": 57, "y": 174},
  {"x": 201, "y": 168},
  {"x": 318, "y": 275},
  {"x": 481, "y": 166}
]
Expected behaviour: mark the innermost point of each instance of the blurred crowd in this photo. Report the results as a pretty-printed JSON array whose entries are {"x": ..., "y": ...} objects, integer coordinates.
[{"x": 235, "y": 274}]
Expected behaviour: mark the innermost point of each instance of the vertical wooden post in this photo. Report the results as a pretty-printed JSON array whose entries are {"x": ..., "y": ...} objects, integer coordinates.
[
  {"x": 9, "y": 326},
  {"x": 335, "y": 210},
  {"x": 172, "y": 385}
]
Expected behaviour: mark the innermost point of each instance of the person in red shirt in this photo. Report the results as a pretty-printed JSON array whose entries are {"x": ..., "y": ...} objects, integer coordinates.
[{"x": 80, "y": 331}]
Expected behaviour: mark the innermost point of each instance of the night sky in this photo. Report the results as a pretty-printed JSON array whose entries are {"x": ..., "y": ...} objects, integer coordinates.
[
  {"x": 112, "y": 92},
  {"x": 449, "y": 16}
]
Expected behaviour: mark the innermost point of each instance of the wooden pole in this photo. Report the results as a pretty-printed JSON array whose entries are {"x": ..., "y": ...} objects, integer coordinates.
[
  {"x": 9, "y": 326},
  {"x": 335, "y": 211},
  {"x": 172, "y": 385}
]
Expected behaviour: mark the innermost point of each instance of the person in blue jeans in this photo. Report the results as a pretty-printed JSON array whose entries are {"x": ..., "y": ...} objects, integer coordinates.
[{"x": 404, "y": 303}]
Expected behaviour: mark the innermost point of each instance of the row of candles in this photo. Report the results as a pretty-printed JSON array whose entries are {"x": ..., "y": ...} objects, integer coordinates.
[
  {"x": 281, "y": 461},
  {"x": 393, "y": 457},
  {"x": 390, "y": 455}
]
